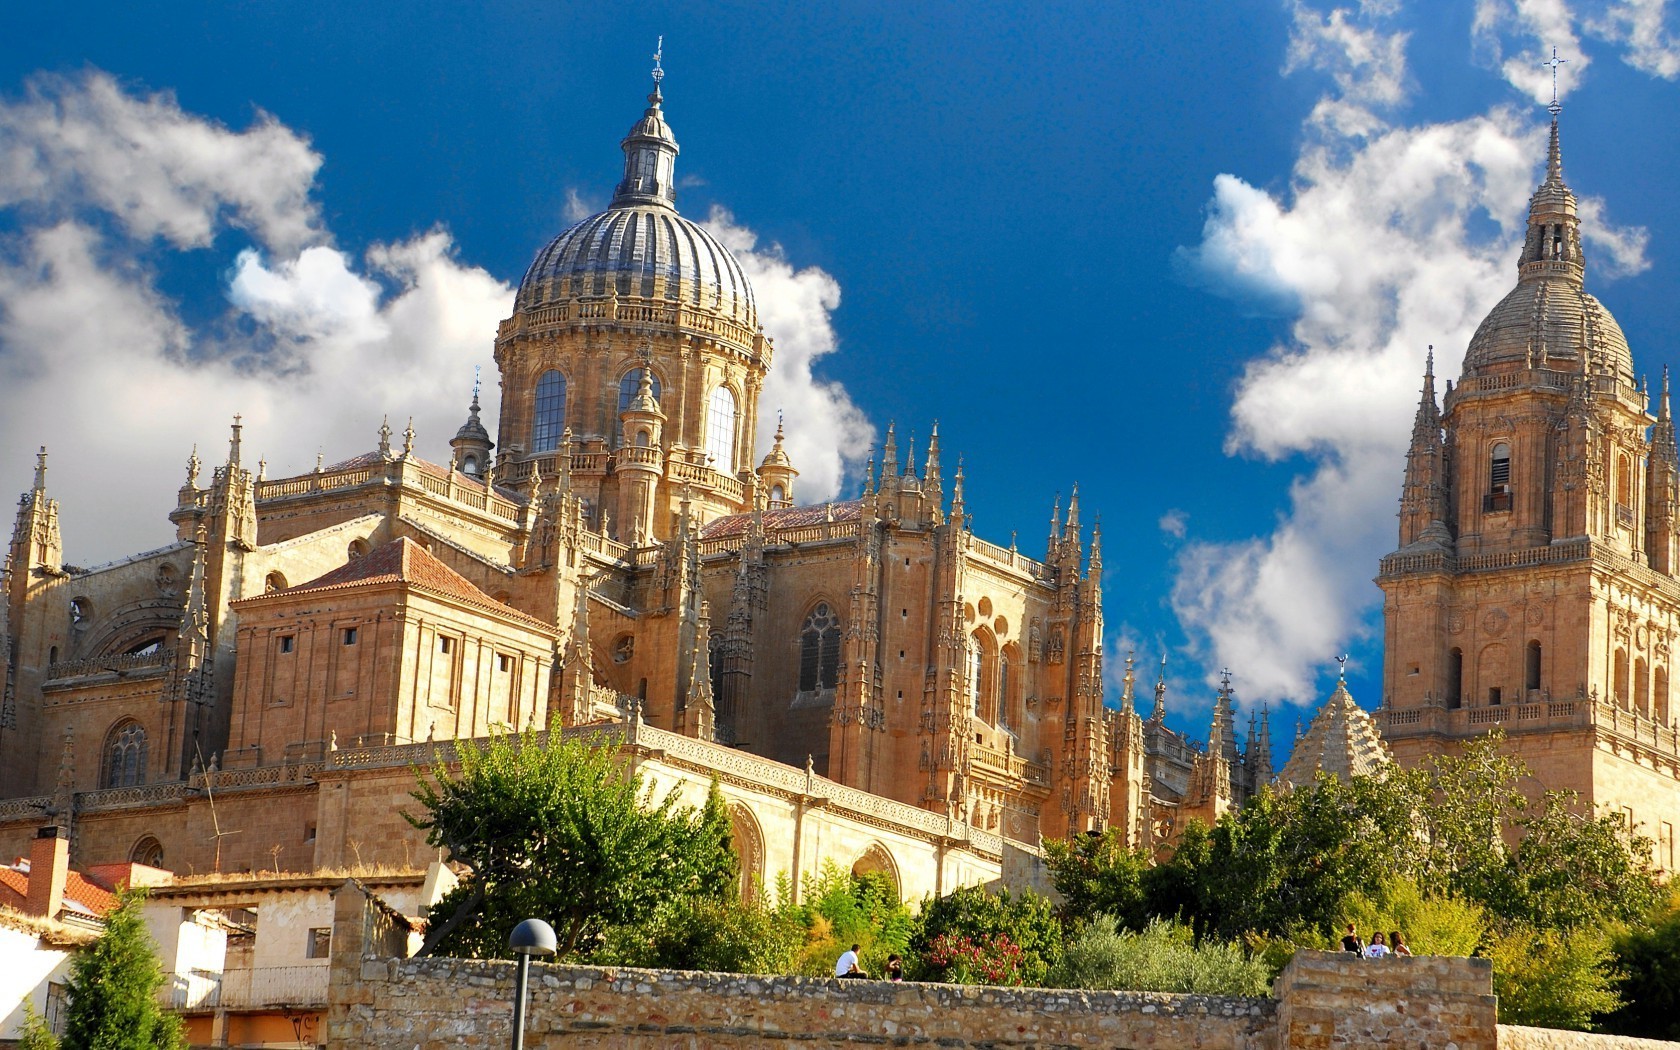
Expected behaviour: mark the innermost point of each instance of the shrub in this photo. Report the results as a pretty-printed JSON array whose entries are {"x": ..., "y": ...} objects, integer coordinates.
[
  {"x": 706, "y": 934},
  {"x": 1163, "y": 958},
  {"x": 1431, "y": 925},
  {"x": 1649, "y": 960},
  {"x": 1553, "y": 980},
  {"x": 842, "y": 909},
  {"x": 956, "y": 959},
  {"x": 1026, "y": 923}
]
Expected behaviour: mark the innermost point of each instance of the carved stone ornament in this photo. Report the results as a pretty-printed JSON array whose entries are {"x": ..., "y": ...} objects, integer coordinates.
[
  {"x": 1495, "y": 621},
  {"x": 1455, "y": 624},
  {"x": 1535, "y": 614}
]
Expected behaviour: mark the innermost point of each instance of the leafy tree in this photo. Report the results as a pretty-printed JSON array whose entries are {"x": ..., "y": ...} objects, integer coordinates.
[
  {"x": 113, "y": 989},
  {"x": 1648, "y": 958},
  {"x": 1570, "y": 871},
  {"x": 1553, "y": 979},
  {"x": 1101, "y": 875},
  {"x": 35, "y": 1034},
  {"x": 722, "y": 936},
  {"x": 842, "y": 909},
  {"x": 1019, "y": 933},
  {"x": 563, "y": 832}
]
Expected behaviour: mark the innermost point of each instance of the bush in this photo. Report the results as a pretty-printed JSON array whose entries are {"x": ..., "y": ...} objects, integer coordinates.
[
  {"x": 1163, "y": 958},
  {"x": 724, "y": 936},
  {"x": 1001, "y": 925},
  {"x": 1648, "y": 958},
  {"x": 1553, "y": 980},
  {"x": 1431, "y": 925}
]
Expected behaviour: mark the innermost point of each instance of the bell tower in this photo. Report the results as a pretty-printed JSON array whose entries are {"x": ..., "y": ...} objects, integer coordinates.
[{"x": 1533, "y": 587}]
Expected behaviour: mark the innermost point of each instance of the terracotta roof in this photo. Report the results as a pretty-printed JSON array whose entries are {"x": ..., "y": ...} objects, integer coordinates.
[
  {"x": 1343, "y": 739},
  {"x": 786, "y": 518},
  {"x": 81, "y": 895},
  {"x": 402, "y": 561}
]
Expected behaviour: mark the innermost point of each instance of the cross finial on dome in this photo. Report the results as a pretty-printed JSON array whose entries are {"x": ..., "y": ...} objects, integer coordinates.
[
  {"x": 659, "y": 58},
  {"x": 1555, "y": 107}
]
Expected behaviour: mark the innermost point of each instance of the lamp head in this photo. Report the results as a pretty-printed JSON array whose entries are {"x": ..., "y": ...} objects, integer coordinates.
[{"x": 533, "y": 937}]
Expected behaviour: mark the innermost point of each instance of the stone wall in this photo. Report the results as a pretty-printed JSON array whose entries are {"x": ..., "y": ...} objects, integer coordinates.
[
  {"x": 1323, "y": 1001},
  {"x": 1514, "y": 1037}
]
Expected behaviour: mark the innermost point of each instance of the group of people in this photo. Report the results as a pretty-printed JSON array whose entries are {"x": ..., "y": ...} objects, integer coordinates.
[
  {"x": 1379, "y": 946},
  {"x": 847, "y": 966}
]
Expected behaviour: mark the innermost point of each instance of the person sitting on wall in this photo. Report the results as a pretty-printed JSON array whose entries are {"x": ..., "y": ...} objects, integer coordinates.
[
  {"x": 847, "y": 964},
  {"x": 1377, "y": 949},
  {"x": 1350, "y": 942},
  {"x": 895, "y": 968},
  {"x": 1397, "y": 944}
]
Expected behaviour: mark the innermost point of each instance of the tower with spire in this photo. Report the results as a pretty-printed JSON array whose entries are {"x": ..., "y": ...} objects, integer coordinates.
[{"x": 1533, "y": 583}]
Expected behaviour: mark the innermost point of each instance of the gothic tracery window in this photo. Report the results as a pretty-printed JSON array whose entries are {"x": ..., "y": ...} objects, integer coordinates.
[
  {"x": 549, "y": 419},
  {"x": 819, "y": 650},
  {"x": 125, "y": 756},
  {"x": 720, "y": 429}
]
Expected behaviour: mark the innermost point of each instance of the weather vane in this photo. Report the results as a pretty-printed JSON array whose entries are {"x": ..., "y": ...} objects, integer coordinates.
[
  {"x": 1341, "y": 674},
  {"x": 1554, "y": 62},
  {"x": 658, "y": 57},
  {"x": 476, "y": 383}
]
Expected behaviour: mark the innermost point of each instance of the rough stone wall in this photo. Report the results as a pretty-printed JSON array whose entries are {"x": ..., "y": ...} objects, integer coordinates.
[
  {"x": 1515, "y": 1037},
  {"x": 1324, "y": 1001}
]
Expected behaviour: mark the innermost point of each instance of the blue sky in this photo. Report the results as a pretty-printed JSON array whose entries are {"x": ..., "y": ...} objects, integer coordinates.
[{"x": 1188, "y": 256}]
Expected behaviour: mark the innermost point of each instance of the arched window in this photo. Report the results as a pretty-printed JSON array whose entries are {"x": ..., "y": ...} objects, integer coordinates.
[
  {"x": 549, "y": 419},
  {"x": 777, "y": 494},
  {"x": 1624, "y": 480},
  {"x": 125, "y": 756},
  {"x": 720, "y": 429},
  {"x": 628, "y": 387},
  {"x": 1004, "y": 698},
  {"x": 976, "y": 671},
  {"x": 1659, "y": 695},
  {"x": 1621, "y": 693},
  {"x": 1531, "y": 667},
  {"x": 1499, "y": 474},
  {"x": 469, "y": 464},
  {"x": 148, "y": 851},
  {"x": 819, "y": 650},
  {"x": 1642, "y": 687},
  {"x": 275, "y": 581}
]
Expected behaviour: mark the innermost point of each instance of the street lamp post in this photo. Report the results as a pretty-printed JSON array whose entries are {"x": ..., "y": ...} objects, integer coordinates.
[{"x": 531, "y": 937}]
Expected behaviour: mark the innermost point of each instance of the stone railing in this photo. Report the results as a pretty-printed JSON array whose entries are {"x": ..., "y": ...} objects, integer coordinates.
[
  {"x": 1441, "y": 561},
  {"x": 458, "y": 488},
  {"x": 1573, "y": 712},
  {"x": 1009, "y": 556},
  {"x": 629, "y": 311},
  {"x": 120, "y": 664}
]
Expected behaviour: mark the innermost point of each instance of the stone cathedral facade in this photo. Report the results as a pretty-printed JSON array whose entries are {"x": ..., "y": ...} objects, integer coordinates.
[
  {"x": 1534, "y": 588},
  {"x": 870, "y": 681}
]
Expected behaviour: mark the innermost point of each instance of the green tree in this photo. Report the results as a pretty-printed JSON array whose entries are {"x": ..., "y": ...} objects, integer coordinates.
[
  {"x": 1022, "y": 926},
  {"x": 35, "y": 1034},
  {"x": 841, "y": 909},
  {"x": 1163, "y": 957},
  {"x": 562, "y": 832},
  {"x": 1100, "y": 875},
  {"x": 1648, "y": 957},
  {"x": 1553, "y": 979},
  {"x": 1432, "y": 925},
  {"x": 113, "y": 989}
]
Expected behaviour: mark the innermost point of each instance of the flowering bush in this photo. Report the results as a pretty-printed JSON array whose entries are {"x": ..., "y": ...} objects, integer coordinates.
[{"x": 957, "y": 959}]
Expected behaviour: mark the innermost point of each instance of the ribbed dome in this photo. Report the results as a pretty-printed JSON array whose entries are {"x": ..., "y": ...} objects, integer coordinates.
[
  {"x": 643, "y": 250},
  {"x": 1552, "y": 319}
]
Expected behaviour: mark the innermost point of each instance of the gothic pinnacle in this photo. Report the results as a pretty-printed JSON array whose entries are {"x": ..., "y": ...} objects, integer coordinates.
[
  {"x": 41, "y": 470},
  {"x": 233, "y": 442}
]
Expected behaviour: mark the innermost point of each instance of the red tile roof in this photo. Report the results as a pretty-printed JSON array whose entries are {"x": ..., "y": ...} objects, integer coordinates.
[
  {"x": 786, "y": 518},
  {"x": 403, "y": 561},
  {"x": 81, "y": 895}
]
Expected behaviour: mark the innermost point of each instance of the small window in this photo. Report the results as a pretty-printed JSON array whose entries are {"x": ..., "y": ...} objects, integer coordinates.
[
  {"x": 446, "y": 645},
  {"x": 320, "y": 942},
  {"x": 504, "y": 662},
  {"x": 309, "y": 833},
  {"x": 1500, "y": 474},
  {"x": 57, "y": 1013},
  {"x": 287, "y": 642},
  {"x": 1494, "y": 696},
  {"x": 275, "y": 581},
  {"x": 349, "y": 636}
]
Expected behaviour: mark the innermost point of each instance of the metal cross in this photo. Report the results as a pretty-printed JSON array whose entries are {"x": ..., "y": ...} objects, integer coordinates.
[
  {"x": 658, "y": 57},
  {"x": 1554, "y": 62}
]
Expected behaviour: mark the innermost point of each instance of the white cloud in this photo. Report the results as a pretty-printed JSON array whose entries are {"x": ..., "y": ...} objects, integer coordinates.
[
  {"x": 1175, "y": 523},
  {"x": 1640, "y": 26},
  {"x": 827, "y": 435},
  {"x": 85, "y": 143},
  {"x": 97, "y": 362},
  {"x": 1390, "y": 238}
]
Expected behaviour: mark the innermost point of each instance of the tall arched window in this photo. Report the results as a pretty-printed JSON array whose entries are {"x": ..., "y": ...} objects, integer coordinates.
[
  {"x": 720, "y": 429},
  {"x": 628, "y": 387},
  {"x": 1455, "y": 678},
  {"x": 819, "y": 650},
  {"x": 1624, "y": 480},
  {"x": 125, "y": 756},
  {"x": 1005, "y": 697},
  {"x": 548, "y": 422},
  {"x": 1531, "y": 667},
  {"x": 976, "y": 669}
]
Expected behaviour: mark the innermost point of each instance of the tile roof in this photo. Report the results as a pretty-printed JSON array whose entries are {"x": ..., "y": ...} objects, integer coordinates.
[
  {"x": 403, "y": 561},
  {"x": 81, "y": 895},
  {"x": 786, "y": 518},
  {"x": 1343, "y": 739}
]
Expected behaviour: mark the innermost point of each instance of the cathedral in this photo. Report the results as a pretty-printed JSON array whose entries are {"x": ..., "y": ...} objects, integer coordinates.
[
  {"x": 1534, "y": 589},
  {"x": 255, "y": 695}
]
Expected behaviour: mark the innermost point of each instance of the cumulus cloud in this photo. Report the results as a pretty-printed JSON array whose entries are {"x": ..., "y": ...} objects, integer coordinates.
[
  {"x": 827, "y": 435},
  {"x": 1516, "y": 37},
  {"x": 1641, "y": 26},
  {"x": 1389, "y": 238},
  {"x": 1174, "y": 523},
  {"x": 98, "y": 363}
]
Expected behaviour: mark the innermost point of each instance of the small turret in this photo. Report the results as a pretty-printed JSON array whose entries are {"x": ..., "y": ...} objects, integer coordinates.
[
  {"x": 472, "y": 444},
  {"x": 777, "y": 473}
]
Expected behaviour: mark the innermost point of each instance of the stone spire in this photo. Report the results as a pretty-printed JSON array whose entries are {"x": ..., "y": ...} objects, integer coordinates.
[
  {"x": 1128, "y": 685},
  {"x": 36, "y": 540},
  {"x": 1423, "y": 496},
  {"x": 1159, "y": 712},
  {"x": 1055, "y": 540},
  {"x": 1260, "y": 750},
  {"x": 1343, "y": 739},
  {"x": 650, "y": 154},
  {"x": 1662, "y": 489},
  {"x": 1553, "y": 245},
  {"x": 40, "y": 484}
]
